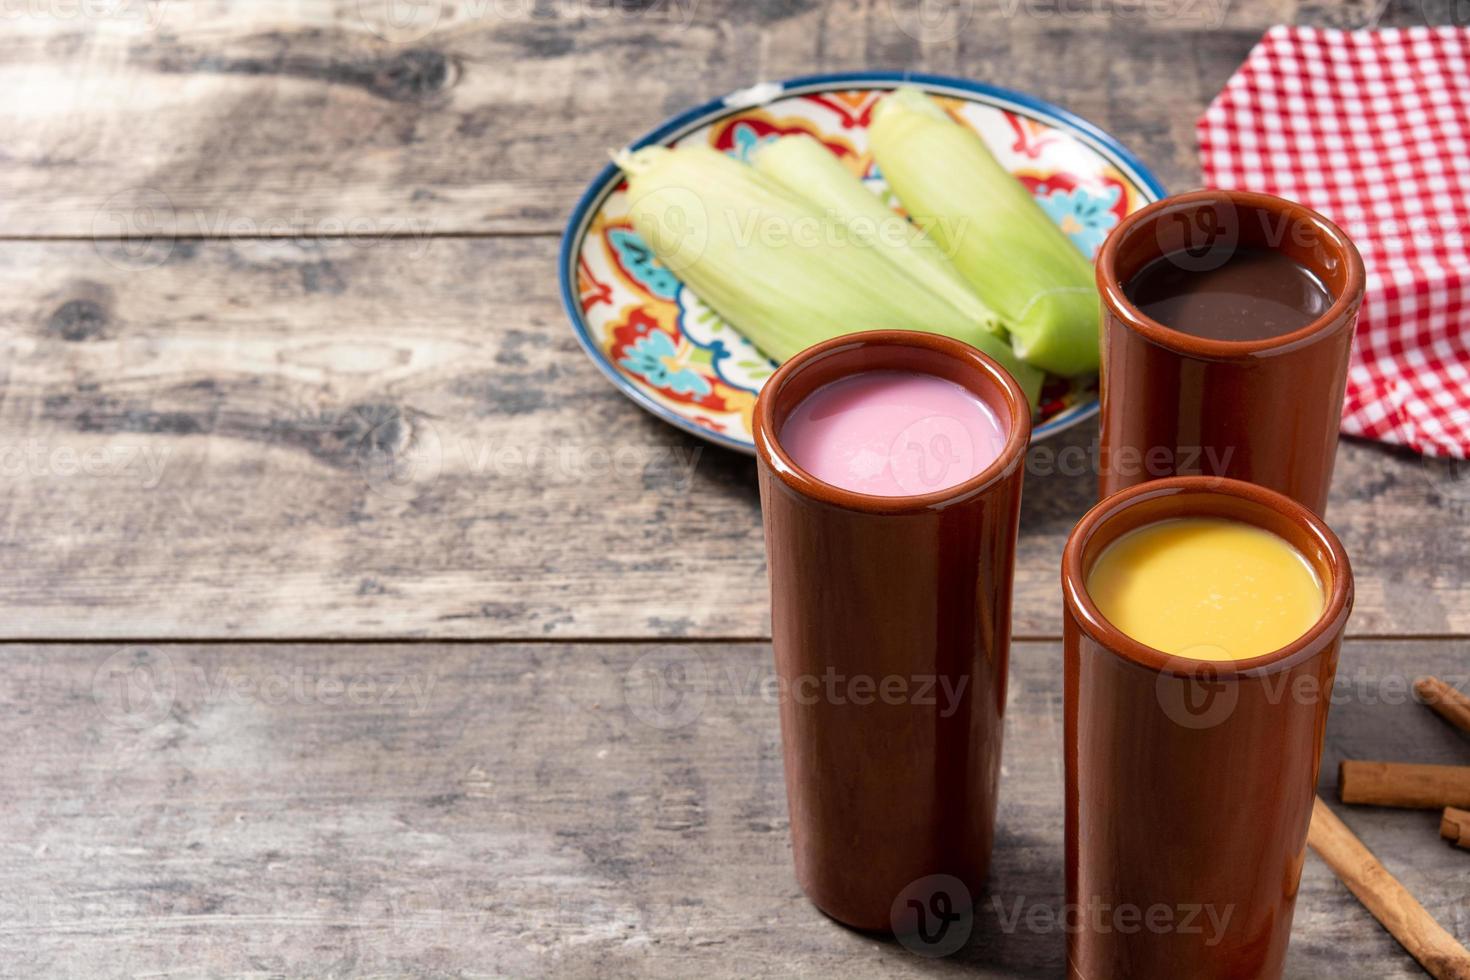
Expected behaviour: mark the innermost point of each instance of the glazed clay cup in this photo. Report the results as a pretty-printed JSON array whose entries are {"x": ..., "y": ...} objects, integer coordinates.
[
  {"x": 888, "y": 788},
  {"x": 1189, "y": 784},
  {"x": 1272, "y": 405}
]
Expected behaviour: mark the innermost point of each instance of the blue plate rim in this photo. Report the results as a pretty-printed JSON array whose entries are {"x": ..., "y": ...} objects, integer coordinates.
[{"x": 610, "y": 176}]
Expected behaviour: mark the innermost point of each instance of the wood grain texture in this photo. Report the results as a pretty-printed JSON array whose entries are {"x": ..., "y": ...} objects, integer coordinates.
[
  {"x": 343, "y": 439},
  {"x": 456, "y": 810},
  {"x": 399, "y": 117}
]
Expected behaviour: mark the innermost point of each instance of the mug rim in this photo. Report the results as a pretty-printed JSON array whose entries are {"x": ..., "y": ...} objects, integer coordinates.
[
  {"x": 1111, "y": 288},
  {"x": 1337, "y": 604},
  {"x": 770, "y": 451}
]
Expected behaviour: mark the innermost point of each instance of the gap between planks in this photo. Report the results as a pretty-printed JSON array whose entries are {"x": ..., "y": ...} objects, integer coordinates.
[
  {"x": 380, "y": 640},
  {"x": 290, "y": 236}
]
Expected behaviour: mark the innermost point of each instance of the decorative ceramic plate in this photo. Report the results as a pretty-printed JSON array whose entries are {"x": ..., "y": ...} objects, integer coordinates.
[{"x": 676, "y": 357}]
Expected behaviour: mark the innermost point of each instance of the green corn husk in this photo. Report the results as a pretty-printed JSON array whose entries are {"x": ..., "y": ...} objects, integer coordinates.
[
  {"x": 776, "y": 267},
  {"x": 1013, "y": 255},
  {"x": 807, "y": 168}
]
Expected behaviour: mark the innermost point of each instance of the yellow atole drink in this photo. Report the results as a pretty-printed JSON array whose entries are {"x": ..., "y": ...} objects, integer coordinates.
[{"x": 1206, "y": 588}]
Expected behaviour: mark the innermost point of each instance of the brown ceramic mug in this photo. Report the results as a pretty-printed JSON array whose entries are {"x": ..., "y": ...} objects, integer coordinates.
[
  {"x": 1266, "y": 411},
  {"x": 887, "y": 793},
  {"x": 1190, "y": 783}
]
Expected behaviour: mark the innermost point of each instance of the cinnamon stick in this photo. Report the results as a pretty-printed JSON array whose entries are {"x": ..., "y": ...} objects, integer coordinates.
[
  {"x": 1454, "y": 826},
  {"x": 1383, "y": 895},
  {"x": 1446, "y": 702},
  {"x": 1404, "y": 784}
]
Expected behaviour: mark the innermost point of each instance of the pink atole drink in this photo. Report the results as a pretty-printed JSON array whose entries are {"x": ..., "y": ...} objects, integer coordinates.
[{"x": 892, "y": 433}]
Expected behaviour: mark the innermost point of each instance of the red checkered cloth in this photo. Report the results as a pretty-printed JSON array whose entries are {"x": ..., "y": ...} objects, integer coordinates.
[{"x": 1372, "y": 128}]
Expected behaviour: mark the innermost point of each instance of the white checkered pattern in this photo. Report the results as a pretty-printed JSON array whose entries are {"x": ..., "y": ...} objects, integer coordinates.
[{"x": 1372, "y": 128}]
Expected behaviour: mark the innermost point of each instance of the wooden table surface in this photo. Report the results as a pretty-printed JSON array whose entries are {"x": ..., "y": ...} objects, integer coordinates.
[{"x": 274, "y": 708}]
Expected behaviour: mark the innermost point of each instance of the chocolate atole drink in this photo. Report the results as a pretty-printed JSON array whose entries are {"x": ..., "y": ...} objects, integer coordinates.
[
  {"x": 890, "y": 475},
  {"x": 1228, "y": 321},
  {"x": 893, "y": 433},
  {"x": 1229, "y": 294}
]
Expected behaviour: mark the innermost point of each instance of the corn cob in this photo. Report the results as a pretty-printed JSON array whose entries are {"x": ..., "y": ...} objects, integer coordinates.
[
  {"x": 1013, "y": 255},
  {"x": 775, "y": 266},
  {"x": 806, "y": 168}
]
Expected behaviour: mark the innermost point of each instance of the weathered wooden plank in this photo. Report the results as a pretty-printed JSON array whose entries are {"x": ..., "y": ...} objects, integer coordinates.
[
  {"x": 462, "y": 810},
  {"x": 491, "y": 115},
  {"x": 334, "y": 439},
  {"x": 435, "y": 451}
]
